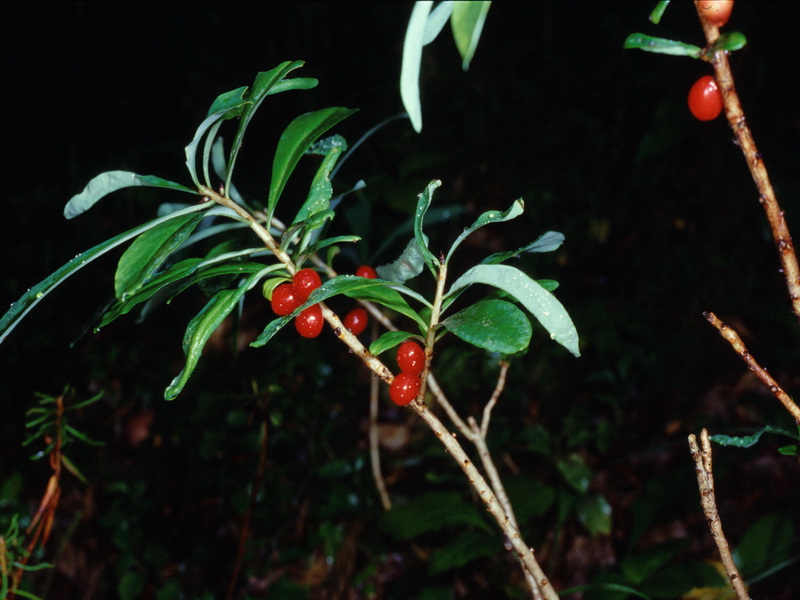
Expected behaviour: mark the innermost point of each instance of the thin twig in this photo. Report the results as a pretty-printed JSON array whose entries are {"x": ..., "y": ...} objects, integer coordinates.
[
  {"x": 498, "y": 389},
  {"x": 738, "y": 345},
  {"x": 374, "y": 441},
  {"x": 744, "y": 139},
  {"x": 705, "y": 482}
]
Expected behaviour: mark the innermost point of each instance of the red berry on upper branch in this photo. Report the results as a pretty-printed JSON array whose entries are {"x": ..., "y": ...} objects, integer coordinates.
[
  {"x": 306, "y": 281},
  {"x": 366, "y": 271},
  {"x": 356, "y": 320},
  {"x": 285, "y": 299},
  {"x": 404, "y": 388}
]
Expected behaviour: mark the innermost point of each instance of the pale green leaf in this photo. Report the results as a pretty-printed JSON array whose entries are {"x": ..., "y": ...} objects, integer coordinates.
[
  {"x": 412, "y": 58},
  {"x": 467, "y": 22}
]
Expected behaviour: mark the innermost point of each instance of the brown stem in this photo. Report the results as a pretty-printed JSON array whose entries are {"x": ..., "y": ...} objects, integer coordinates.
[
  {"x": 705, "y": 482},
  {"x": 374, "y": 441},
  {"x": 744, "y": 139},
  {"x": 738, "y": 345}
]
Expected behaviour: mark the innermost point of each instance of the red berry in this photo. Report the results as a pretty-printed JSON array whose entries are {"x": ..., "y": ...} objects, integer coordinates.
[
  {"x": 366, "y": 271},
  {"x": 309, "y": 322},
  {"x": 716, "y": 12},
  {"x": 411, "y": 358},
  {"x": 356, "y": 320},
  {"x": 404, "y": 388},
  {"x": 705, "y": 99},
  {"x": 284, "y": 299},
  {"x": 306, "y": 281}
]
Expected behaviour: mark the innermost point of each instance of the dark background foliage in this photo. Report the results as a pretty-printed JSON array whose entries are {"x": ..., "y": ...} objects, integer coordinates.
[{"x": 661, "y": 220}]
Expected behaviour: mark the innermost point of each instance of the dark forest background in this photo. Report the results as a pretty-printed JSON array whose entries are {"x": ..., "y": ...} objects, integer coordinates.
[{"x": 661, "y": 219}]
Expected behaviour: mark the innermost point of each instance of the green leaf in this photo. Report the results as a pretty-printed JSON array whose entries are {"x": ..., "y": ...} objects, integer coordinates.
[
  {"x": 111, "y": 181},
  {"x": 530, "y": 497},
  {"x": 575, "y": 472},
  {"x": 412, "y": 58},
  {"x": 750, "y": 440},
  {"x": 425, "y": 199},
  {"x": 541, "y": 303},
  {"x": 676, "y": 580},
  {"x": 658, "y": 11},
  {"x": 407, "y": 266},
  {"x": 320, "y": 245},
  {"x": 594, "y": 512},
  {"x": 641, "y": 564},
  {"x": 658, "y": 45},
  {"x": 428, "y": 512},
  {"x": 149, "y": 250},
  {"x": 388, "y": 340},
  {"x": 494, "y": 325},
  {"x": 295, "y": 140},
  {"x": 547, "y": 242},
  {"x": 436, "y": 21},
  {"x": 767, "y": 543},
  {"x": 32, "y": 297},
  {"x": 266, "y": 83},
  {"x": 321, "y": 189},
  {"x": 202, "y": 326},
  {"x": 492, "y": 216},
  {"x": 467, "y": 22},
  {"x": 230, "y": 107},
  {"x": 467, "y": 546},
  {"x": 730, "y": 41}
]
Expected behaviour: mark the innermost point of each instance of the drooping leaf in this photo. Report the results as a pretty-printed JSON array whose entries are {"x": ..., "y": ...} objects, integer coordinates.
[
  {"x": 541, "y": 303},
  {"x": 149, "y": 250},
  {"x": 111, "y": 181},
  {"x": 436, "y": 21},
  {"x": 658, "y": 45},
  {"x": 230, "y": 104},
  {"x": 431, "y": 511},
  {"x": 594, "y": 513},
  {"x": 202, "y": 326},
  {"x": 412, "y": 58},
  {"x": 467, "y": 22},
  {"x": 32, "y": 297},
  {"x": 641, "y": 564},
  {"x": 433, "y": 216},
  {"x": 494, "y": 325},
  {"x": 295, "y": 140},
  {"x": 575, "y": 471},
  {"x": 658, "y": 11},
  {"x": 407, "y": 266},
  {"x": 492, "y": 216}
]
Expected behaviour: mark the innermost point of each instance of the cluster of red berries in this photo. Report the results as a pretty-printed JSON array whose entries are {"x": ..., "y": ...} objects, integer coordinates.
[
  {"x": 411, "y": 360},
  {"x": 288, "y": 296},
  {"x": 357, "y": 319}
]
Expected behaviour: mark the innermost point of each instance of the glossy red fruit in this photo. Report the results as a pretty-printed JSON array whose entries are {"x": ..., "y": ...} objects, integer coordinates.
[
  {"x": 356, "y": 320},
  {"x": 404, "y": 388},
  {"x": 309, "y": 322},
  {"x": 716, "y": 12},
  {"x": 411, "y": 358},
  {"x": 306, "y": 281},
  {"x": 705, "y": 99},
  {"x": 284, "y": 299},
  {"x": 366, "y": 271}
]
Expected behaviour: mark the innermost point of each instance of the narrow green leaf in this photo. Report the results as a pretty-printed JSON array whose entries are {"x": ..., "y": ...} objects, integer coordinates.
[
  {"x": 492, "y": 216},
  {"x": 231, "y": 109},
  {"x": 494, "y": 325},
  {"x": 266, "y": 83},
  {"x": 200, "y": 329},
  {"x": 315, "y": 248},
  {"x": 227, "y": 101},
  {"x": 750, "y": 440},
  {"x": 467, "y": 22},
  {"x": 388, "y": 340},
  {"x": 730, "y": 41},
  {"x": 658, "y": 11},
  {"x": 295, "y": 140},
  {"x": 321, "y": 190},
  {"x": 412, "y": 58},
  {"x": 149, "y": 250},
  {"x": 425, "y": 199},
  {"x": 32, "y": 297},
  {"x": 658, "y": 45},
  {"x": 541, "y": 303},
  {"x": 111, "y": 181}
]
